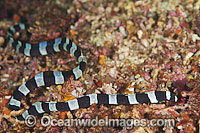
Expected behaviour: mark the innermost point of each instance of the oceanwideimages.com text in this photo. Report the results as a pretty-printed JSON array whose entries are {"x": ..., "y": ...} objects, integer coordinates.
[{"x": 128, "y": 123}]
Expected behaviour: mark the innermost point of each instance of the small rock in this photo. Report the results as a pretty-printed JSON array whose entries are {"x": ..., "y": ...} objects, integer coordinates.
[
  {"x": 188, "y": 55},
  {"x": 130, "y": 27},
  {"x": 132, "y": 78},
  {"x": 122, "y": 30},
  {"x": 145, "y": 42},
  {"x": 116, "y": 9},
  {"x": 113, "y": 72},
  {"x": 137, "y": 76},
  {"x": 121, "y": 56},
  {"x": 195, "y": 37},
  {"x": 118, "y": 23},
  {"x": 102, "y": 59},
  {"x": 6, "y": 75},
  {"x": 108, "y": 9},
  {"x": 155, "y": 73},
  {"x": 139, "y": 33},
  {"x": 27, "y": 59}
]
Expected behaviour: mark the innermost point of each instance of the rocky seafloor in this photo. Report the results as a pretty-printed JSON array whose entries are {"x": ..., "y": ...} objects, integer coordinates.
[{"x": 130, "y": 45}]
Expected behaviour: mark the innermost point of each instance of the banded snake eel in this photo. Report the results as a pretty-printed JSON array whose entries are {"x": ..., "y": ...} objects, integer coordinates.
[{"x": 49, "y": 78}]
